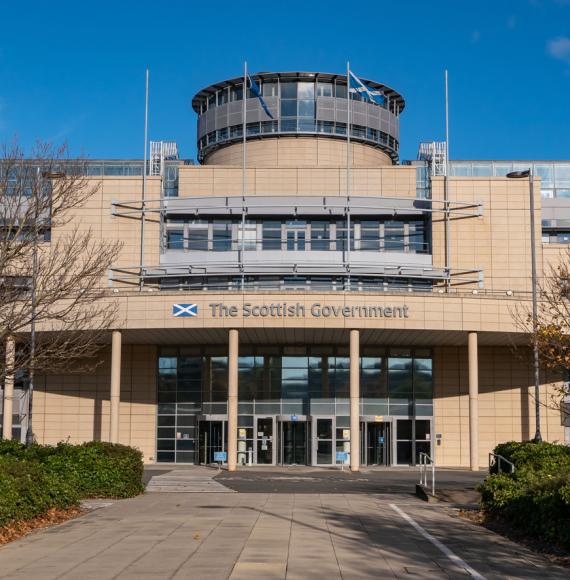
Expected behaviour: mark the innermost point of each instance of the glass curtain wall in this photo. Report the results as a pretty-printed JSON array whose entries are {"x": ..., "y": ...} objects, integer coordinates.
[
  {"x": 296, "y": 101},
  {"x": 222, "y": 235},
  {"x": 299, "y": 282},
  {"x": 292, "y": 381}
]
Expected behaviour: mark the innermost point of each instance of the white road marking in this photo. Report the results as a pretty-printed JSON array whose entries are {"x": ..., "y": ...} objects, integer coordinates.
[{"x": 443, "y": 548}]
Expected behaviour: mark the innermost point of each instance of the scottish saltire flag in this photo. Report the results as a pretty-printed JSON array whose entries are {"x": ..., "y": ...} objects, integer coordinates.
[
  {"x": 255, "y": 90},
  {"x": 357, "y": 86},
  {"x": 185, "y": 310}
]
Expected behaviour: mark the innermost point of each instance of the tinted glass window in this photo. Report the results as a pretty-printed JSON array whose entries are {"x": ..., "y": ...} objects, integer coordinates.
[
  {"x": 325, "y": 89},
  {"x": 198, "y": 238},
  {"x": 369, "y": 235},
  {"x": 306, "y": 90},
  {"x": 562, "y": 173},
  {"x": 320, "y": 235},
  {"x": 222, "y": 231},
  {"x": 340, "y": 91},
  {"x": 269, "y": 89},
  {"x": 394, "y": 235},
  {"x": 236, "y": 93},
  {"x": 306, "y": 108},
  {"x": 271, "y": 235},
  {"x": 288, "y": 90},
  {"x": 288, "y": 108},
  {"x": 175, "y": 240}
]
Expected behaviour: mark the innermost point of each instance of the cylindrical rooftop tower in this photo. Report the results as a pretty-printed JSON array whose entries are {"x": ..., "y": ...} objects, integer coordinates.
[{"x": 309, "y": 122}]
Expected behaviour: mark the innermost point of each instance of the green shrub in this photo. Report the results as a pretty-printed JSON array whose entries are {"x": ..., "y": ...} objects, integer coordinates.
[
  {"x": 11, "y": 448},
  {"x": 28, "y": 489},
  {"x": 536, "y": 497},
  {"x": 35, "y": 478},
  {"x": 498, "y": 491},
  {"x": 544, "y": 457},
  {"x": 99, "y": 469}
]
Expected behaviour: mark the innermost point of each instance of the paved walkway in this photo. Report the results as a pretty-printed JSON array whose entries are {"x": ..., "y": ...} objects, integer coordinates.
[
  {"x": 318, "y": 480},
  {"x": 197, "y": 480},
  {"x": 264, "y": 536}
]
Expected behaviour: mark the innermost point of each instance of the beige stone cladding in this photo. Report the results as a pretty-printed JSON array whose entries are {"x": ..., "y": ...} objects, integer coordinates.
[
  {"x": 553, "y": 255},
  {"x": 498, "y": 242},
  {"x": 218, "y": 180},
  {"x": 298, "y": 152},
  {"x": 75, "y": 407},
  {"x": 96, "y": 215},
  {"x": 506, "y": 402},
  {"x": 430, "y": 312}
]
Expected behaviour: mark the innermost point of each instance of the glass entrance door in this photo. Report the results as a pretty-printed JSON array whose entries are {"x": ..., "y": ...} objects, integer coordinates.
[
  {"x": 378, "y": 444},
  {"x": 293, "y": 442},
  {"x": 212, "y": 437},
  {"x": 264, "y": 448},
  {"x": 323, "y": 441}
]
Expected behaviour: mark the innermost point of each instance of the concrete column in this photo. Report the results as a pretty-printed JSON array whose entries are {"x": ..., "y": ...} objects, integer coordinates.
[
  {"x": 473, "y": 401},
  {"x": 9, "y": 389},
  {"x": 354, "y": 400},
  {"x": 233, "y": 349},
  {"x": 115, "y": 385}
]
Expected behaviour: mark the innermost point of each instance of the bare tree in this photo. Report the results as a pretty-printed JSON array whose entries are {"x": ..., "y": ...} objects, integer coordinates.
[
  {"x": 53, "y": 296},
  {"x": 552, "y": 331}
]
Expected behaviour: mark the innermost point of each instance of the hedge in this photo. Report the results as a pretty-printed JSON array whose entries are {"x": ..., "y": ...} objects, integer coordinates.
[
  {"x": 547, "y": 458},
  {"x": 35, "y": 478},
  {"x": 535, "y": 499}
]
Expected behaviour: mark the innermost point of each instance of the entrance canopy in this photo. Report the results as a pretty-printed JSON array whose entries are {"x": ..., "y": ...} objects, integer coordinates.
[{"x": 333, "y": 336}]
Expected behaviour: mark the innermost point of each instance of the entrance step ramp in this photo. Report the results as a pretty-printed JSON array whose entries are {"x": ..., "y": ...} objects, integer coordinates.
[{"x": 187, "y": 481}]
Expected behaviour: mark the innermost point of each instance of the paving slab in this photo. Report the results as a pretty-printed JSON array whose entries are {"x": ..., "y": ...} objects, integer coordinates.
[
  {"x": 251, "y": 536},
  {"x": 198, "y": 480}
]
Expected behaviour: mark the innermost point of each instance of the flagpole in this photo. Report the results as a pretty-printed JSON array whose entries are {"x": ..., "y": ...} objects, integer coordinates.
[
  {"x": 244, "y": 171},
  {"x": 348, "y": 102},
  {"x": 143, "y": 201},
  {"x": 446, "y": 188},
  {"x": 244, "y": 116}
]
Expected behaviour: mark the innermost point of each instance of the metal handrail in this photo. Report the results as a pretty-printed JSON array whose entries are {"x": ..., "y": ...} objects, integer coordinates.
[
  {"x": 425, "y": 461},
  {"x": 495, "y": 459}
]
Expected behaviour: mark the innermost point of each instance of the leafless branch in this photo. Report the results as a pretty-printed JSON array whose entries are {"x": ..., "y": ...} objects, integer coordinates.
[{"x": 40, "y": 194}]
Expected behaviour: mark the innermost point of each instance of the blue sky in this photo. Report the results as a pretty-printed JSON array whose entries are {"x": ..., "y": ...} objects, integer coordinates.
[{"x": 74, "y": 71}]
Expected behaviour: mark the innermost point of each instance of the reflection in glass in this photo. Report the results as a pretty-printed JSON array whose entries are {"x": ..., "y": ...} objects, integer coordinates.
[
  {"x": 288, "y": 108},
  {"x": 294, "y": 443},
  {"x": 404, "y": 452},
  {"x": 288, "y": 90},
  {"x": 264, "y": 440},
  {"x": 305, "y": 90},
  {"x": 324, "y": 428},
  {"x": 324, "y": 452}
]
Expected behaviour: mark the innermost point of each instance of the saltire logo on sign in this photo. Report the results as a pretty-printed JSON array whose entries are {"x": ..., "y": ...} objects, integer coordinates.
[{"x": 185, "y": 310}]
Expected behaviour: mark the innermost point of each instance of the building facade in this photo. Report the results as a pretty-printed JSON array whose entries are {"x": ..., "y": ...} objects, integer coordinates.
[{"x": 302, "y": 297}]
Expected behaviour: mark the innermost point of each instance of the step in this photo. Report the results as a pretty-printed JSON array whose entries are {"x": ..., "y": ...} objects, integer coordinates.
[{"x": 185, "y": 482}]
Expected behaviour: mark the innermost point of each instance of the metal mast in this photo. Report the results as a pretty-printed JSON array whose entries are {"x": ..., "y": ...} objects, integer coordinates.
[{"x": 143, "y": 204}]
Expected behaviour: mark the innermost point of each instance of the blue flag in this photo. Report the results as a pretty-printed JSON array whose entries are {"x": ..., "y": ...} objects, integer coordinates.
[
  {"x": 255, "y": 90},
  {"x": 184, "y": 310},
  {"x": 357, "y": 86}
]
